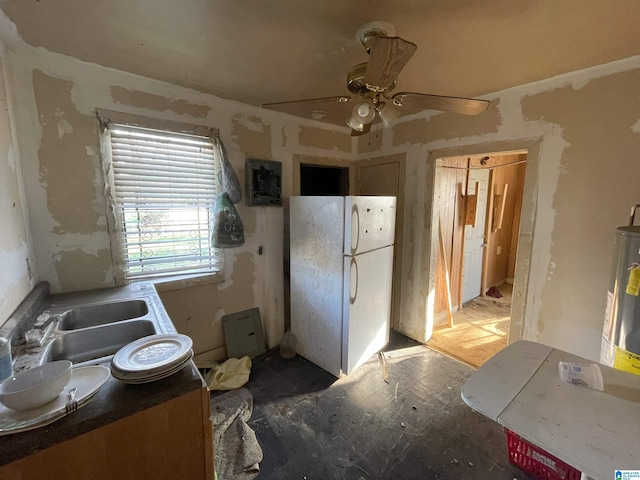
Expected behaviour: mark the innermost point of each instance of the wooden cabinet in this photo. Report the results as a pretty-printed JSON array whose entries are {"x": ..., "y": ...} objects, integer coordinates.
[{"x": 172, "y": 440}]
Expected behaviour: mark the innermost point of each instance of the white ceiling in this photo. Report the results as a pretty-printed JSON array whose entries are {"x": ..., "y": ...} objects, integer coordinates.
[{"x": 261, "y": 51}]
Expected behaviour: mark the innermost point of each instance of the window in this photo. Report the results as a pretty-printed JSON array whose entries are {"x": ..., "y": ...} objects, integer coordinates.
[{"x": 162, "y": 189}]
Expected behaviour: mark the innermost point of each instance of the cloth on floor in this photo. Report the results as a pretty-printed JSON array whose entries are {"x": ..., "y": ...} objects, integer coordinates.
[
  {"x": 229, "y": 375},
  {"x": 237, "y": 453},
  {"x": 494, "y": 292}
]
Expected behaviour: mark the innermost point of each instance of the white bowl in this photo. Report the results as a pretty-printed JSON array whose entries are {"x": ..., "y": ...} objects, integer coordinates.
[{"x": 37, "y": 386}]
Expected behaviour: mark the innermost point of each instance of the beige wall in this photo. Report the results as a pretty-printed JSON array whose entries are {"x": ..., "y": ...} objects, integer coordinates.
[
  {"x": 582, "y": 132},
  {"x": 58, "y": 136},
  {"x": 17, "y": 274}
]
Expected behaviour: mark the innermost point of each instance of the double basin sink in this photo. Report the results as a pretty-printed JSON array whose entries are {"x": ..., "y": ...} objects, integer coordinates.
[{"x": 92, "y": 334}]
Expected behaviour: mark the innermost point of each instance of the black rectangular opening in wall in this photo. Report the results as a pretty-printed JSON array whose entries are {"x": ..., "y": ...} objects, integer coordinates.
[{"x": 322, "y": 180}]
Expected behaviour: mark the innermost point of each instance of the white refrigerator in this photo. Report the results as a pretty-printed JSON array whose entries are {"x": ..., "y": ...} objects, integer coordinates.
[{"x": 341, "y": 261}]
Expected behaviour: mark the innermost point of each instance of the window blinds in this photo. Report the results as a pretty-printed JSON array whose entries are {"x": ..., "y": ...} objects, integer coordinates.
[{"x": 164, "y": 185}]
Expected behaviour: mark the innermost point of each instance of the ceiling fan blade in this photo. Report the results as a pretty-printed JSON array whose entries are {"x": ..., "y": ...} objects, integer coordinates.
[
  {"x": 416, "y": 102},
  {"x": 388, "y": 57},
  {"x": 333, "y": 110},
  {"x": 365, "y": 130}
]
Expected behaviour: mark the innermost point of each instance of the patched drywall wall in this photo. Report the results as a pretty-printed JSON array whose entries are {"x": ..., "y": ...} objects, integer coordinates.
[
  {"x": 582, "y": 137},
  {"x": 67, "y": 168},
  {"x": 185, "y": 306},
  {"x": 437, "y": 127},
  {"x": 321, "y": 137},
  {"x": 78, "y": 268},
  {"x": 252, "y": 136},
  {"x": 69, "y": 177},
  {"x": 18, "y": 272},
  {"x": 136, "y": 98},
  {"x": 598, "y": 182},
  {"x": 63, "y": 178}
]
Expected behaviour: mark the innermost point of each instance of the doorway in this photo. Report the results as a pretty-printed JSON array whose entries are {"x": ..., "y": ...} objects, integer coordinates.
[
  {"x": 323, "y": 180},
  {"x": 478, "y": 202}
]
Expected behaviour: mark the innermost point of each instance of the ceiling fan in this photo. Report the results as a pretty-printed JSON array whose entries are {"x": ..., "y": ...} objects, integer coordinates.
[{"x": 371, "y": 84}]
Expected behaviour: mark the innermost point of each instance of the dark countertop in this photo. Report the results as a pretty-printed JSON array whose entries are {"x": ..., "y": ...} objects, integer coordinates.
[{"x": 115, "y": 400}]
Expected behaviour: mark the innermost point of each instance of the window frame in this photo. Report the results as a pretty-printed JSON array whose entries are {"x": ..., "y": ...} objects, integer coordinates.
[{"x": 162, "y": 283}]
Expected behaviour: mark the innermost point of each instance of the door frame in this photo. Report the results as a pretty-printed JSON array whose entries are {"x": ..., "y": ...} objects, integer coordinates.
[{"x": 521, "y": 301}]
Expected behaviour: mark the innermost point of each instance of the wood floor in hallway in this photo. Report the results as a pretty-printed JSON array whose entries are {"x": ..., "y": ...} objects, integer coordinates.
[{"x": 480, "y": 329}]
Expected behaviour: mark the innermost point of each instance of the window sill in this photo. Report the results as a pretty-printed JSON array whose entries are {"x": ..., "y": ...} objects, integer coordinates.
[{"x": 179, "y": 282}]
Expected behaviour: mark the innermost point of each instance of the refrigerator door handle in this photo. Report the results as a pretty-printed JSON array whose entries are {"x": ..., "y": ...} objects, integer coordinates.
[
  {"x": 352, "y": 298},
  {"x": 355, "y": 219}
]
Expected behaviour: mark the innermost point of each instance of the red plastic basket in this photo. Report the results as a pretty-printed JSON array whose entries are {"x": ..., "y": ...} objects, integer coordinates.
[{"x": 536, "y": 461}]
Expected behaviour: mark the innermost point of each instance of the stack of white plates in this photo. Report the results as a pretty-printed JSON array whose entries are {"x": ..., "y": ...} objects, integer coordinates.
[{"x": 151, "y": 358}]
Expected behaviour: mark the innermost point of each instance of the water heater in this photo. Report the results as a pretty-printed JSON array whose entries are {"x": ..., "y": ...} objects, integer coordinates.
[{"x": 621, "y": 333}]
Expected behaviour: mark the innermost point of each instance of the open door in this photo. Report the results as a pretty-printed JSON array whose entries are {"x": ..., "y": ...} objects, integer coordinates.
[{"x": 474, "y": 234}]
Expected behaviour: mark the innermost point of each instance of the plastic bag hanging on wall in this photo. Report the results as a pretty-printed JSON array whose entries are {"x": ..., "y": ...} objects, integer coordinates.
[
  {"x": 227, "y": 228},
  {"x": 230, "y": 182}
]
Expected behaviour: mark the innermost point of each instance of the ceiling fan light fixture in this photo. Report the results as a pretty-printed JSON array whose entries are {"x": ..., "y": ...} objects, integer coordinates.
[
  {"x": 370, "y": 84},
  {"x": 362, "y": 113},
  {"x": 387, "y": 114},
  {"x": 355, "y": 124}
]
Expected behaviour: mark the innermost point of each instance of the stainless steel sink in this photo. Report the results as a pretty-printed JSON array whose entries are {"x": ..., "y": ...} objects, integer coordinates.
[
  {"x": 95, "y": 345},
  {"x": 103, "y": 313}
]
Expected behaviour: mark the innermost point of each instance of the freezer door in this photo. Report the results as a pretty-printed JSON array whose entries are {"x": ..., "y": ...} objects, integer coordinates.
[
  {"x": 316, "y": 264},
  {"x": 369, "y": 223},
  {"x": 366, "y": 306}
]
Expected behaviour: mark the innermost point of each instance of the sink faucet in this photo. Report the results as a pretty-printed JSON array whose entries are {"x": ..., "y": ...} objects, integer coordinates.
[{"x": 41, "y": 329}]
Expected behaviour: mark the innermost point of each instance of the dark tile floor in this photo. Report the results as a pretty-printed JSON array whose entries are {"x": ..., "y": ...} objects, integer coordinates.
[{"x": 311, "y": 425}]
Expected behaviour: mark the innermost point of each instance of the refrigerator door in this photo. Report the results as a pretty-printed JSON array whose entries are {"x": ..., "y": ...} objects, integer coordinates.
[
  {"x": 366, "y": 306},
  {"x": 316, "y": 279},
  {"x": 369, "y": 223}
]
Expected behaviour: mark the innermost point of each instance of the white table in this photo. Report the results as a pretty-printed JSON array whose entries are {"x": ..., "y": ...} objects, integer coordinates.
[{"x": 596, "y": 432}]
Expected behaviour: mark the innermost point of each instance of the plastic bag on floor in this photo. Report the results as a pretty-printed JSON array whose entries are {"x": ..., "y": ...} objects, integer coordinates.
[{"x": 232, "y": 374}]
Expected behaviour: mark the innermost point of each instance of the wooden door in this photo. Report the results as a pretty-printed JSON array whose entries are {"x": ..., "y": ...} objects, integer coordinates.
[{"x": 384, "y": 176}]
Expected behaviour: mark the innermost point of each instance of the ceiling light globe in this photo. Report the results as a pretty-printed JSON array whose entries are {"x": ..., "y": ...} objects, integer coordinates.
[
  {"x": 363, "y": 110},
  {"x": 387, "y": 114},
  {"x": 355, "y": 124}
]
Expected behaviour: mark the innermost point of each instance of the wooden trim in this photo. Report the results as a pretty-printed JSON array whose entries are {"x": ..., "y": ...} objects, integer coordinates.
[
  {"x": 488, "y": 232},
  {"x": 443, "y": 257},
  {"x": 472, "y": 208},
  {"x": 500, "y": 201}
]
